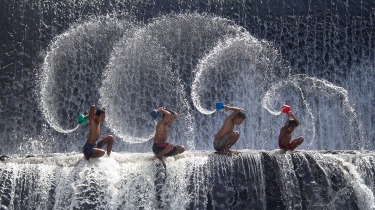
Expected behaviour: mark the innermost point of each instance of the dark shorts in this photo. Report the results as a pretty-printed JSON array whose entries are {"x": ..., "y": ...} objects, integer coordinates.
[
  {"x": 157, "y": 148},
  {"x": 219, "y": 143},
  {"x": 291, "y": 146},
  {"x": 88, "y": 149}
]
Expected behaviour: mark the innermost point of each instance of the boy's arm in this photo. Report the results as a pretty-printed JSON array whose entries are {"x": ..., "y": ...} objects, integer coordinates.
[
  {"x": 167, "y": 111},
  {"x": 164, "y": 111},
  {"x": 294, "y": 118},
  {"x": 91, "y": 114},
  {"x": 235, "y": 110},
  {"x": 172, "y": 112},
  {"x": 286, "y": 121}
]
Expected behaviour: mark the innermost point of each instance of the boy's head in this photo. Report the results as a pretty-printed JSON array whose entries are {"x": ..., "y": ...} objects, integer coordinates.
[
  {"x": 292, "y": 123},
  {"x": 291, "y": 126},
  {"x": 100, "y": 114},
  {"x": 170, "y": 118},
  {"x": 240, "y": 117}
]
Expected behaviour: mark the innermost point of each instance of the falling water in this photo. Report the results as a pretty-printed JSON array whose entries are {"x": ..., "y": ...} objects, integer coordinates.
[
  {"x": 72, "y": 70},
  {"x": 131, "y": 57},
  {"x": 197, "y": 180},
  {"x": 311, "y": 94}
]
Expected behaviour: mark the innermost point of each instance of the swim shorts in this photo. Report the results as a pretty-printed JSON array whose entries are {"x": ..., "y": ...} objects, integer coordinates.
[
  {"x": 291, "y": 146},
  {"x": 157, "y": 148},
  {"x": 88, "y": 149},
  {"x": 219, "y": 143}
]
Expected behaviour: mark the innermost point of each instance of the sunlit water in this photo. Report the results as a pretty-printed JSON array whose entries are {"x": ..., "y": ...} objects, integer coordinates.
[
  {"x": 193, "y": 180},
  {"x": 186, "y": 63},
  {"x": 322, "y": 65}
]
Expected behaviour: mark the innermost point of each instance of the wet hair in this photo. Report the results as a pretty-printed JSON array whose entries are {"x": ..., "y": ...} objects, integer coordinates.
[
  {"x": 100, "y": 111},
  {"x": 241, "y": 115},
  {"x": 292, "y": 123}
]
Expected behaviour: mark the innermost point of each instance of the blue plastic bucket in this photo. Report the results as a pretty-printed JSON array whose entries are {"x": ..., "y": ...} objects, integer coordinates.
[
  {"x": 219, "y": 105},
  {"x": 154, "y": 114}
]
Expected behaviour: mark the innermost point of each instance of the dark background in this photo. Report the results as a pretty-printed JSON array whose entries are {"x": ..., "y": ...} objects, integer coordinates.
[{"x": 324, "y": 39}]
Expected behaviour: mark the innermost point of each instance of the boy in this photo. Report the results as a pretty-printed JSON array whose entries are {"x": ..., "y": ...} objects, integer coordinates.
[
  {"x": 285, "y": 136},
  {"x": 225, "y": 138},
  {"x": 160, "y": 147},
  {"x": 91, "y": 149}
]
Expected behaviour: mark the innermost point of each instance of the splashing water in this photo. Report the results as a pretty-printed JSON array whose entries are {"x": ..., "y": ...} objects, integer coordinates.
[
  {"x": 317, "y": 57},
  {"x": 307, "y": 95},
  {"x": 147, "y": 71},
  {"x": 365, "y": 196},
  {"x": 187, "y": 62},
  {"x": 194, "y": 180},
  {"x": 237, "y": 71},
  {"x": 138, "y": 79},
  {"x": 72, "y": 70}
]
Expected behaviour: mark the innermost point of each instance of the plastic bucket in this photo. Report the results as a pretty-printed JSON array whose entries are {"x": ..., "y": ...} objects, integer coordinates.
[
  {"x": 285, "y": 109},
  {"x": 219, "y": 105}
]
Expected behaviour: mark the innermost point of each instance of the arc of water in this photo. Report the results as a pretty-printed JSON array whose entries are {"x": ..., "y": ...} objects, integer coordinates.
[
  {"x": 295, "y": 81},
  {"x": 309, "y": 111}
]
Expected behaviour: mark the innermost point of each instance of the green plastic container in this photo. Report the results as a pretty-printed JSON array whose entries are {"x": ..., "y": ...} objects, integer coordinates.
[{"x": 81, "y": 119}]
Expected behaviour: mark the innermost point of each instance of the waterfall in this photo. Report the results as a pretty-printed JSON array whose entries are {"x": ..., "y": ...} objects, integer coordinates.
[
  {"x": 60, "y": 57},
  {"x": 197, "y": 180}
]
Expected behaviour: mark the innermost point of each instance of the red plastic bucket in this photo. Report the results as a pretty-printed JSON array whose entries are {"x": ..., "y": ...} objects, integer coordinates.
[{"x": 285, "y": 109}]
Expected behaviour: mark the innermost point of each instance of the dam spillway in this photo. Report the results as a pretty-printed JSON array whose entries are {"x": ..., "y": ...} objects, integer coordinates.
[{"x": 193, "y": 180}]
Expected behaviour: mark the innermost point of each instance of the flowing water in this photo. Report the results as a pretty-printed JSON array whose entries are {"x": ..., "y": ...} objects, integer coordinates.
[{"x": 60, "y": 57}]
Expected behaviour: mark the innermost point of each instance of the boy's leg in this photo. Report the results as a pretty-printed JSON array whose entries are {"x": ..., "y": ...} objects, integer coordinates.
[
  {"x": 96, "y": 152},
  {"x": 167, "y": 149},
  {"x": 172, "y": 150},
  {"x": 180, "y": 149},
  {"x": 108, "y": 140},
  {"x": 90, "y": 151},
  {"x": 295, "y": 143},
  {"x": 232, "y": 139}
]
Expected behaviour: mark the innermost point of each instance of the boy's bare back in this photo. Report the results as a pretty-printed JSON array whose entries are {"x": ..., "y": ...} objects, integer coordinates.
[
  {"x": 226, "y": 128},
  {"x": 161, "y": 133},
  {"x": 284, "y": 136},
  {"x": 228, "y": 124},
  {"x": 162, "y": 129}
]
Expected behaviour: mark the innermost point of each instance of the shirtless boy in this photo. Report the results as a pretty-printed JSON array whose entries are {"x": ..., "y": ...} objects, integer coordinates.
[
  {"x": 225, "y": 138},
  {"x": 285, "y": 136},
  {"x": 160, "y": 147},
  {"x": 91, "y": 149}
]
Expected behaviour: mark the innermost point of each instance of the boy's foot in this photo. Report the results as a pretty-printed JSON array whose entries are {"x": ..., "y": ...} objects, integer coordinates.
[
  {"x": 180, "y": 150},
  {"x": 221, "y": 152},
  {"x": 235, "y": 152},
  {"x": 227, "y": 152},
  {"x": 86, "y": 158},
  {"x": 230, "y": 152}
]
